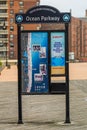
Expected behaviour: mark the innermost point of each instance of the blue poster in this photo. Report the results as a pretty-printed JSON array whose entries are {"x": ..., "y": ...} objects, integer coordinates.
[
  {"x": 57, "y": 53},
  {"x": 35, "y": 65}
]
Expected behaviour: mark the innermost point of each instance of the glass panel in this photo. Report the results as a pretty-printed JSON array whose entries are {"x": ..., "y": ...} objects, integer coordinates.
[
  {"x": 57, "y": 53},
  {"x": 35, "y": 62}
]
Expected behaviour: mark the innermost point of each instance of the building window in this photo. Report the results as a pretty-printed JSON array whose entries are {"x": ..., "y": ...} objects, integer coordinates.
[
  {"x": 22, "y": 27},
  {"x": 11, "y": 20},
  {"x": 1, "y": 44},
  {"x": 3, "y": 36},
  {"x": 11, "y": 36},
  {"x": 21, "y": 11},
  {"x": 21, "y": 3},
  {"x": 11, "y": 3},
  {"x": 3, "y": 10},
  {"x": 37, "y": 3},
  {"x": 1, "y": 27},
  {"x": 11, "y": 11},
  {"x": 11, "y": 44},
  {"x": 2, "y": 2},
  {"x": 3, "y": 19},
  {"x": 11, "y": 28},
  {"x": 11, "y": 54}
]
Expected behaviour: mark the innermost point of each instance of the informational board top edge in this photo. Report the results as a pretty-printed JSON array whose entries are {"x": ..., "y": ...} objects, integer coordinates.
[{"x": 43, "y": 14}]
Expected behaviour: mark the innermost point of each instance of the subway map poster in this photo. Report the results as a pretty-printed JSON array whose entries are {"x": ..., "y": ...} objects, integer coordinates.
[{"x": 34, "y": 62}]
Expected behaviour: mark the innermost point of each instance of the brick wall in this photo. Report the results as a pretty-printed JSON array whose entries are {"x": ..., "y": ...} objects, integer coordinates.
[{"x": 16, "y": 8}]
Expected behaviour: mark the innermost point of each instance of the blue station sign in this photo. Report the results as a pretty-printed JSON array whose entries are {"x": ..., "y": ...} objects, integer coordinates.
[{"x": 43, "y": 14}]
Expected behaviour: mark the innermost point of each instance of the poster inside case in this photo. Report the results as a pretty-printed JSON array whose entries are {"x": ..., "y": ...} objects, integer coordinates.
[
  {"x": 57, "y": 53},
  {"x": 35, "y": 62}
]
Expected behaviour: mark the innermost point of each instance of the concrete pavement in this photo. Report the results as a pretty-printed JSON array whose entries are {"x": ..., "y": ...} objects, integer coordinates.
[{"x": 44, "y": 112}]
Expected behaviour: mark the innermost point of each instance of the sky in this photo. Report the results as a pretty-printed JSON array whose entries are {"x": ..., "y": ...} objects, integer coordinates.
[{"x": 77, "y": 7}]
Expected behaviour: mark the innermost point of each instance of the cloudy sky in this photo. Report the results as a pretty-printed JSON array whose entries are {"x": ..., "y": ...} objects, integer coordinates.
[{"x": 78, "y": 7}]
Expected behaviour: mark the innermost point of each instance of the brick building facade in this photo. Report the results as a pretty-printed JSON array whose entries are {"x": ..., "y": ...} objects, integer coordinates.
[
  {"x": 78, "y": 38},
  {"x": 8, "y": 36}
]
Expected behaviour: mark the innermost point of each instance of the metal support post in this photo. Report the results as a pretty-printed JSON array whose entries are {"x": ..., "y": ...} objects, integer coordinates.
[
  {"x": 19, "y": 78},
  {"x": 67, "y": 76}
]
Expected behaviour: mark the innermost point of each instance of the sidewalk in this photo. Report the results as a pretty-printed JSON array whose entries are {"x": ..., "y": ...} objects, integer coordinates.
[{"x": 44, "y": 112}]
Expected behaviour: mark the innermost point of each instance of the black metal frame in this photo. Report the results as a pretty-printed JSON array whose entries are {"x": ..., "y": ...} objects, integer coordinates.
[
  {"x": 67, "y": 75},
  {"x": 19, "y": 77},
  {"x": 54, "y": 88}
]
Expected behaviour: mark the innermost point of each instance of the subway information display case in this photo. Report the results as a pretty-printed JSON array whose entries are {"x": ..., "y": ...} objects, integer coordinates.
[{"x": 42, "y": 56}]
